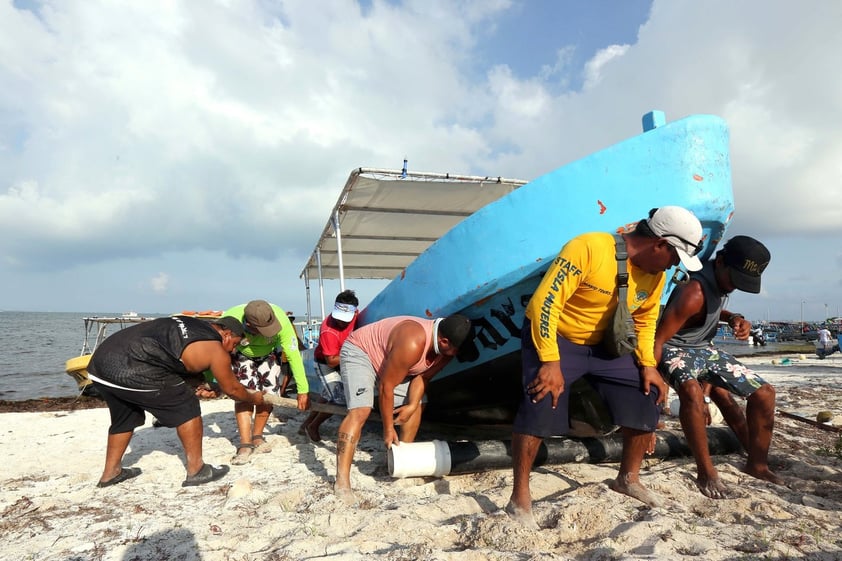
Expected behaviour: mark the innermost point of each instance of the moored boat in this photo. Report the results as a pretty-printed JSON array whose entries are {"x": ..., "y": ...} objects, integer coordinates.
[
  {"x": 487, "y": 265},
  {"x": 96, "y": 330}
]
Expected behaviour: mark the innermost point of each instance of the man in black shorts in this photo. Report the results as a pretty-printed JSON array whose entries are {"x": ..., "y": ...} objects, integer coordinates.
[{"x": 142, "y": 368}]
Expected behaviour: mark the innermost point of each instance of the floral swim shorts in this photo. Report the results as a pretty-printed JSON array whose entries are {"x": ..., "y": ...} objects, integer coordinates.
[{"x": 708, "y": 364}]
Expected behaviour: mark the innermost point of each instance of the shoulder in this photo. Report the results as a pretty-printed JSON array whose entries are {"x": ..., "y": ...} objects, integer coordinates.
[
  {"x": 593, "y": 239},
  {"x": 689, "y": 297},
  {"x": 235, "y": 311},
  {"x": 409, "y": 326},
  {"x": 278, "y": 310},
  {"x": 592, "y": 243}
]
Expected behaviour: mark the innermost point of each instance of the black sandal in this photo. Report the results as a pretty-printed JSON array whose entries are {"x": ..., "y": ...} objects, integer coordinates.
[
  {"x": 261, "y": 448},
  {"x": 243, "y": 458},
  {"x": 125, "y": 473},
  {"x": 207, "y": 474}
]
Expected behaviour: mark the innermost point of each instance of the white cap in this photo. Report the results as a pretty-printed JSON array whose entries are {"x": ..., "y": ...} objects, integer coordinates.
[
  {"x": 343, "y": 312},
  {"x": 682, "y": 230}
]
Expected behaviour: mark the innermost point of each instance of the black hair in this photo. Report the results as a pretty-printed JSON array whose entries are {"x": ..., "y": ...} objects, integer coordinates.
[
  {"x": 456, "y": 328},
  {"x": 231, "y": 324},
  {"x": 347, "y": 297},
  {"x": 642, "y": 228}
]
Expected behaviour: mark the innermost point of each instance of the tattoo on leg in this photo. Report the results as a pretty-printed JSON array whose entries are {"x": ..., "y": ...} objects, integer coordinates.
[{"x": 344, "y": 441}]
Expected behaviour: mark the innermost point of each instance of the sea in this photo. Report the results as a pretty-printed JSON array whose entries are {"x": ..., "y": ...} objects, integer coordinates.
[
  {"x": 36, "y": 345},
  {"x": 33, "y": 349}
]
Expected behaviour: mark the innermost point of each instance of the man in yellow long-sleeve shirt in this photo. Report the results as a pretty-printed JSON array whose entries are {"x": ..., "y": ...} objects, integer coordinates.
[{"x": 565, "y": 323}]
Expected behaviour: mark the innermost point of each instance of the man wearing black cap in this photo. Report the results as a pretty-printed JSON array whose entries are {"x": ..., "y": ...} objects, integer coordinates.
[
  {"x": 393, "y": 358},
  {"x": 142, "y": 367},
  {"x": 701, "y": 373}
]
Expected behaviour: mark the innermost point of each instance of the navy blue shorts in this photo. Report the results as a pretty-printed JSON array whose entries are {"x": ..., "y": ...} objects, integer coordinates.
[
  {"x": 617, "y": 380},
  {"x": 172, "y": 406}
]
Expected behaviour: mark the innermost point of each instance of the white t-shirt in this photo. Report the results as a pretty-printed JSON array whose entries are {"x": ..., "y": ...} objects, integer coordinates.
[{"x": 824, "y": 336}]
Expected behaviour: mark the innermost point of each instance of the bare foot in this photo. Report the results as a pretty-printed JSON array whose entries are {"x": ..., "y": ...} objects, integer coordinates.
[
  {"x": 635, "y": 490},
  {"x": 650, "y": 448},
  {"x": 713, "y": 487},
  {"x": 345, "y": 494},
  {"x": 522, "y": 515},
  {"x": 764, "y": 473}
]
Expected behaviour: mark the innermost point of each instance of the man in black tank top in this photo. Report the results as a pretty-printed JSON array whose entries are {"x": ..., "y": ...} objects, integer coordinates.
[
  {"x": 141, "y": 368},
  {"x": 701, "y": 373}
]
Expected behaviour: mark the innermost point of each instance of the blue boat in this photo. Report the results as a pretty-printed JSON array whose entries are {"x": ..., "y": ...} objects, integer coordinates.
[{"x": 488, "y": 264}]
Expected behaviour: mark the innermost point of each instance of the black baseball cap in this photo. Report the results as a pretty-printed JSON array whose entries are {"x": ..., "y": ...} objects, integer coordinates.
[{"x": 746, "y": 259}]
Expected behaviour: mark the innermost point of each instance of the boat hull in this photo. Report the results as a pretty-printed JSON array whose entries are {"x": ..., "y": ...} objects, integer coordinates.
[
  {"x": 77, "y": 368},
  {"x": 488, "y": 265}
]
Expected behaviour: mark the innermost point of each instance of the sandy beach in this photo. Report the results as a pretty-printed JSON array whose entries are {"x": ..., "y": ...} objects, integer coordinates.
[{"x": 280, "y": 506}]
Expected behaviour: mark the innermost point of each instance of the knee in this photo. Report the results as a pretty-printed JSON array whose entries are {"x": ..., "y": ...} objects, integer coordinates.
[
  {"x": 764, "y": 394},
  {"x": 690, "y": 392},
  {"x": 356, "y": 417}
]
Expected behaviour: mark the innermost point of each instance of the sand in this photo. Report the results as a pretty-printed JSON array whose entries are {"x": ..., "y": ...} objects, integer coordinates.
[{"x": 280, "y": 506}]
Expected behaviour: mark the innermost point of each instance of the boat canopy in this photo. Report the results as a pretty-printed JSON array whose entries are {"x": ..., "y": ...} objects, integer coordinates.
[{"x": 383, "y": 219}]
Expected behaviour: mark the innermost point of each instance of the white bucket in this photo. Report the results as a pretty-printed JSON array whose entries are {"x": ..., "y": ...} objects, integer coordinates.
[{"x": 419, "y": 459}]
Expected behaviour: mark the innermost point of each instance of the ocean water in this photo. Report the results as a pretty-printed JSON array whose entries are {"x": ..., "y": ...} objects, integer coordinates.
[{"x": 35, "y": 346}]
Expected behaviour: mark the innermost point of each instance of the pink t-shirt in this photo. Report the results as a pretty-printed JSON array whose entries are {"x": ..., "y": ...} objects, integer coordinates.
[
  {"x": 374, "y": 337},
  {"x": 331, "y": 339}
]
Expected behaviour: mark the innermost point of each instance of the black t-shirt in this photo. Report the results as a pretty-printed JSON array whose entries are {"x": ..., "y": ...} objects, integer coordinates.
[{"x": 148, "y": 355}]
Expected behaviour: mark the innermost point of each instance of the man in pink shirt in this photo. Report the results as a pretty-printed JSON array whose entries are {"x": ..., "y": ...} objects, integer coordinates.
[
  {"x": 395, "y": 357},
  {"x": 334, "y": 330}
]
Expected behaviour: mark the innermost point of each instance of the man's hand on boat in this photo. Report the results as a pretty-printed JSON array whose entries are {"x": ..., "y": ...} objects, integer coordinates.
[
  {"x": 548, "y": 381},
  {"x": 303, "y": 401}
]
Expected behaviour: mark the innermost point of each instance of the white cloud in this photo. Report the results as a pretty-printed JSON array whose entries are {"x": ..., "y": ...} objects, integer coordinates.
[
  {"x": 160, "y": 283},
  {"x": 595, "y": 66},
  {"x": 136, "y": 130}
]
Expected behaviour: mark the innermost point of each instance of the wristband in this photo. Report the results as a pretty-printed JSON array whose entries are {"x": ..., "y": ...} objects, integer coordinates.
[{"x": 735, "y": 316}]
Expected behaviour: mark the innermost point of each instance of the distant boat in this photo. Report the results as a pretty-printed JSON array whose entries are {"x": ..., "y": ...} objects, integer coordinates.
[
  {"x": 487, "y": 265},
  {"x": 96, "y": 330}
]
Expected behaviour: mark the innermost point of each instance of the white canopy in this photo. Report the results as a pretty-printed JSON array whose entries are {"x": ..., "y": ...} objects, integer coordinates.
[{"x": 384, "y": 219}]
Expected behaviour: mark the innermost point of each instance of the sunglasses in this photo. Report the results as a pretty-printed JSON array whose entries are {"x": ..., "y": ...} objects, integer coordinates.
[{"x": 697, "y": 247}]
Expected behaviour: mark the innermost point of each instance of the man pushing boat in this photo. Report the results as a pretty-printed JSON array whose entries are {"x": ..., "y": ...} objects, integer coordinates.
[
  {"x": 565, "y": 325},
  {"x": 395, "y": 356},
  {"x": 699, "y": 371},
  {"x": 142, "y": 368}
]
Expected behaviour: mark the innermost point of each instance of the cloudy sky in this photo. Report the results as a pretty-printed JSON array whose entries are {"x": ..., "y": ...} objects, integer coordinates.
[{"x": 161, "y": 155}]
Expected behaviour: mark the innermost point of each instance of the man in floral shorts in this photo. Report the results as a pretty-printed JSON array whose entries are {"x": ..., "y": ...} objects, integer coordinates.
[{"x": 700, "y": 372}]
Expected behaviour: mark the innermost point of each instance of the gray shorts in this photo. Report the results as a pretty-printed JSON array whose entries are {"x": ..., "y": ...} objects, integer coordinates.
[{"x": 360, "y": 379}]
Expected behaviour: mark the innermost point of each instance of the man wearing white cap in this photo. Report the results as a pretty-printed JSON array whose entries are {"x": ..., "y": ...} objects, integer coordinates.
[
  {"x": 334, "y": 330},
  {"x": 257, "y": 365},
  {"x": 565, "y": 329}
]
